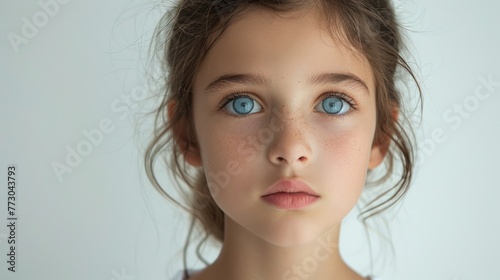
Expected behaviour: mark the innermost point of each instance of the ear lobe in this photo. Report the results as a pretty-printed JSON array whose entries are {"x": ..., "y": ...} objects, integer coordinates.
[
  {"x": 380, "y": 146},
  {"x": 181, "y": 132}
]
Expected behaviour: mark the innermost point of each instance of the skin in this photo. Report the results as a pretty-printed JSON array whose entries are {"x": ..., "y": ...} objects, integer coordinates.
[{"x": 286, "y": 136}]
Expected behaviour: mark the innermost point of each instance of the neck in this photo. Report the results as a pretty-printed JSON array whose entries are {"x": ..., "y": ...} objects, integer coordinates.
[{"x": 246, "y": 256}]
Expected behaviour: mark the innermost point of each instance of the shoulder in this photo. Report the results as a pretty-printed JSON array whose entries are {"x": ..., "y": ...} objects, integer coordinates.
[
  {"x": 190, "y": 272},
  {"x": 180, "y": 275}
]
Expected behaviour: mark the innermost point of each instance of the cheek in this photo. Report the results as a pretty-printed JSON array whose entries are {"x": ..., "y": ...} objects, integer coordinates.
[
  {"x": 229, "y": 174},
  {"x": 345, "y": 159},
  {"x": 346, "y": 146},
  {"x": 348, "y": 153},
  {"x": 225, "y": 155},
  {"x": 221, "y": 141}
]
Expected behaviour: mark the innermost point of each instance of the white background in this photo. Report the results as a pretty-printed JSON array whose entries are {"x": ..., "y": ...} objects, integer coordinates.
[{"x": 104, "y": 221}]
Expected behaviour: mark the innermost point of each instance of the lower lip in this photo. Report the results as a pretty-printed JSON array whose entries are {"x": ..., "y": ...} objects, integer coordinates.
[{"x": 290, "y": 200}]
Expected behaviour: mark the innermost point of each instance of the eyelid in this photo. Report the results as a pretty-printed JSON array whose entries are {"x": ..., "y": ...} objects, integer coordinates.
[
  {"x": 228, "y": 98},
  {"x": 233, "y": 96},
  {"x": 347, "y": 98}
]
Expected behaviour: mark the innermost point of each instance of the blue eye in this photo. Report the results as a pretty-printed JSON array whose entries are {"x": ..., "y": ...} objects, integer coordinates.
[
  {"x": 242, "y": 105},
  {"x": 334, "y": 105}
]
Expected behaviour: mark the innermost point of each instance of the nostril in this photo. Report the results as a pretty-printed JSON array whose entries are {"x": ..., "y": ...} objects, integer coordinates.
[{"x": 300, "y": 159}]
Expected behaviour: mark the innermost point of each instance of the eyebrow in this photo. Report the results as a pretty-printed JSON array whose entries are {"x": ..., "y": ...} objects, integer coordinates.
[
  {"x": 254, "y": 79},
  {"x": 225, "y": 80},
  {"x": 337, "y": 78}
]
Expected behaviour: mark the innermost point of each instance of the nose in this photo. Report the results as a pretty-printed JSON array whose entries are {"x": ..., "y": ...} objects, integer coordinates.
[{"x": 290, "y": 145}]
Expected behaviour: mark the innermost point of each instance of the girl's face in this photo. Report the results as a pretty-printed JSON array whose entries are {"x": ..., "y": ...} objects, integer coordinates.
[{"x": 277, "y": 97}]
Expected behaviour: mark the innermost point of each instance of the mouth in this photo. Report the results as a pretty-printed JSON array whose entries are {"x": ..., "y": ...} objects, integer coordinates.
[{"x": 290, "y": 194}]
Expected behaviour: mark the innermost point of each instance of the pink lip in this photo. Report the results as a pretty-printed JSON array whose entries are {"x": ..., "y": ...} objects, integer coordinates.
[{"x": 290, "y": 194}]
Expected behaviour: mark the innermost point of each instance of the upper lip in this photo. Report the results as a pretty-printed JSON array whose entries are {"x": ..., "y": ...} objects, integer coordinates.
[{"x": 290, "y": 186}]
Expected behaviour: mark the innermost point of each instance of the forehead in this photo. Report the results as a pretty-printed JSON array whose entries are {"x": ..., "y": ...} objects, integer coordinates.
[{"x": 293, "y": 44}]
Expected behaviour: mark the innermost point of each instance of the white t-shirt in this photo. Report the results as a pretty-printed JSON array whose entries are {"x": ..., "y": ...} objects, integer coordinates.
[{"x": 180, "y": 275}]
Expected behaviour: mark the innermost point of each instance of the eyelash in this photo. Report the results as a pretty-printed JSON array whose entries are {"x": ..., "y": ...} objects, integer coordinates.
[
  {"x": 343, "y": 96},
  {"x": 230, "y": 98},
  {"x": 326, "y": 95}
]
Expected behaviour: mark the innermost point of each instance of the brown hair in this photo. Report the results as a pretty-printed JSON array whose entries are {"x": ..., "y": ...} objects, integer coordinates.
[{"x": 184, "y": 36}]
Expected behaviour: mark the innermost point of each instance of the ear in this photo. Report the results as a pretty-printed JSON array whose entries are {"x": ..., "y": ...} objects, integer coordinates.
[
  {"x": 181, "y": 132},
  {"x": 381, "y": 146}
]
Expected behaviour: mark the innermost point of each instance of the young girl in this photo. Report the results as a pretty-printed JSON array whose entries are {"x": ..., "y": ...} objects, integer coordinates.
[{"x": 274, "y": 113}]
